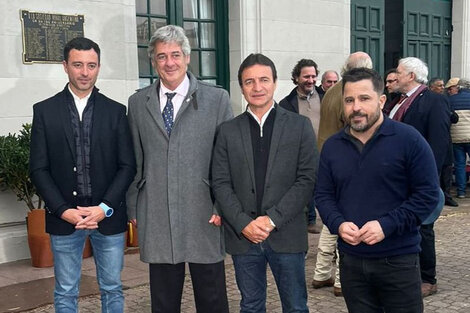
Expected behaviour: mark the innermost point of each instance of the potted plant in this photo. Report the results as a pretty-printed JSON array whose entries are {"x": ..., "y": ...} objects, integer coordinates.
[{"x": 14, "y": 175}]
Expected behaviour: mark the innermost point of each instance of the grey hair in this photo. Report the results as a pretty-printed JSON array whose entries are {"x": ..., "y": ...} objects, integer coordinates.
[
  {"x": 417, "y": 67},
  {"x": 464, "y": 83},
  {"x": 329, "y": 71},
  {"x": 170, "y": 33},
  {"x": 357, "y": 60}
]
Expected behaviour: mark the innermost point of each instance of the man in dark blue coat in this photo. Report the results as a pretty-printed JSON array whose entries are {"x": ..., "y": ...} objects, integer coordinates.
[
  {"x": 429, "y": 113},
  {"x": 460, "y": 133},
  {"x": 82, "y": 163},
  {"x": 377, "y": 182}
]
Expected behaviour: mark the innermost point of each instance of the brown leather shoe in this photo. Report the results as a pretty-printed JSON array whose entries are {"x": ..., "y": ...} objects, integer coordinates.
[
  {"x": 428, "y": 289},
  {"x": 337, "y": 292},
  {"x": 323, "y": 283},
  {"x": 314, "y": 228}
]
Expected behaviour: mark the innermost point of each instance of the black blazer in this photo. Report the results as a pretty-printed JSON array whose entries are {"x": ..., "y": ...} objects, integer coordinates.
[
  {"x": 53, "y": 160},
  {"x": 291, "y": 103},
  {"x": 430, "y": 115}
]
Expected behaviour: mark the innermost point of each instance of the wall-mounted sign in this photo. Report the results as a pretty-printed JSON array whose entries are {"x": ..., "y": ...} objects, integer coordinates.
[{"x": 45, "y": 35}]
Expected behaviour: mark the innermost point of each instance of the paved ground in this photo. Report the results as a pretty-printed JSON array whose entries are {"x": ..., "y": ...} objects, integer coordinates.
[{"x": 453, "y": 253}]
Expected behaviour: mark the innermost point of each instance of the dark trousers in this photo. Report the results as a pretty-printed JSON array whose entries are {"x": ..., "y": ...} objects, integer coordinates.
[
  {"x": 427, "y": 257},
  {"x": 166, "y": 287},
  {"x": 390, "y": 285},
  {"x": 312, "y": 214},
  {"x": 446, "y": 180}
]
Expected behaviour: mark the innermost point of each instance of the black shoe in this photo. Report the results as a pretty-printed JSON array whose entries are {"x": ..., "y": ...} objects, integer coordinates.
[{"x": 451, "y": 202}]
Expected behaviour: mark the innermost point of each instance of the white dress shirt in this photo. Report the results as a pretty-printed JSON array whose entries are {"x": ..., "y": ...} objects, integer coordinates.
[
  {"x": 181, "y": 92},
  {"x": 80, "y": 104}
]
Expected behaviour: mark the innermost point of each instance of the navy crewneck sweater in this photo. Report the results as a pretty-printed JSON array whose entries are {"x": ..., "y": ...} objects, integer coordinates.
[{"x": 393, "y": 180}]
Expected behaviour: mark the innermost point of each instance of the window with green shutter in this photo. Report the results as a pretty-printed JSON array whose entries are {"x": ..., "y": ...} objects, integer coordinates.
[{"x": 206, "y": 26}]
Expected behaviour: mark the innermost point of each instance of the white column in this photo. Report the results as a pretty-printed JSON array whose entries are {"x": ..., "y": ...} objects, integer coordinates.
[
  {"x": 244, "y": 38},
  {"x": 460, "y": 66},
  {"x": 287, "y": 31}
]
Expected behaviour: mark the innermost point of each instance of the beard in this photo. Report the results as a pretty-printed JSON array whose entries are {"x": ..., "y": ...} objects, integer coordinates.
[
  {"x": 364, "y": 126},
  {"x": 305, "y": 88}
]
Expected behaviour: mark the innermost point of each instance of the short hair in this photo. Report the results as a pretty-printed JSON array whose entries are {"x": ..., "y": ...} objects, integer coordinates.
[
  {"x": 329, "y": 71},
  {"x": 433, "y": 80},
  {"x": 357, "y": 60},
  {"x": 300, "y": 65},
  {"x": 362, "y": 73},
  {"x": 81, "y": 43},
  {"x": 253, "y": 59},
  {"x": 463, "y": 83},
  {"x": 169, "y": 33},
  {"x": 417, "y": 67},
  {"x": 390, "y": 71}
]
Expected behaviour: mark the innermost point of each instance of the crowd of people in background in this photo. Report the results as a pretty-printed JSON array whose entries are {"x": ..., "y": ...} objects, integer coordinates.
[{"x": 371, "y": 154}]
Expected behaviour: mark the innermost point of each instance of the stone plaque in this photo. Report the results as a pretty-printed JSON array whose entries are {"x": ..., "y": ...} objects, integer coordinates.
[{"x": 45, "y": 35}]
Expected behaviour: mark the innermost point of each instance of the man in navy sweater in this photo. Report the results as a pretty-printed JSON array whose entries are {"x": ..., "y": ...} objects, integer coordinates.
[{"x": 377, "y": 181}]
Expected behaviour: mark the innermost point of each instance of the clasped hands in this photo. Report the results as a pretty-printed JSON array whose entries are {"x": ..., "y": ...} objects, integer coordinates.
[
  {"x": 258, "y": 230},
  {"x": 371, "y": 233},
  {"x": 84, "y": 217}
]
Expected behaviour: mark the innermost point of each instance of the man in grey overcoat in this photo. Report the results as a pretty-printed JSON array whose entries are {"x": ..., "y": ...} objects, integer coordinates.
[
  {"x": 263, "y": 175},
  {"x": 173, "y": 123}
]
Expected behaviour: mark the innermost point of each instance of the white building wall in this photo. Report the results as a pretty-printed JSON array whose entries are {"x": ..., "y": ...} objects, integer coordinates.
[
  {"x": 460, "y": 63},
  {"x": 286, "y": 32},
  {"x": 110, "y": 23}
]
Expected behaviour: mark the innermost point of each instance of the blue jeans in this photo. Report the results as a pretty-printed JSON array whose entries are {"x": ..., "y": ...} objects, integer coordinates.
[
  {"x": 108, "y": 252},
  {"x": 289, "y": 273},
  {"x": 312, "y": 214},
  {"x": 390, "y": 284},
  {"x": 461, "y": 150}
]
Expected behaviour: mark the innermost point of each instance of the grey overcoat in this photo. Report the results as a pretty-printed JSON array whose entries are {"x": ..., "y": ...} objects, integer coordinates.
[{"x": 170, "y": 196}]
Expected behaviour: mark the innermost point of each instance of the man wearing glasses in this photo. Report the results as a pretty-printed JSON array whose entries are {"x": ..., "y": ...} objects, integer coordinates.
[
  {"x": 391, "y": 90},
  {"x": 173, "y": 123}
]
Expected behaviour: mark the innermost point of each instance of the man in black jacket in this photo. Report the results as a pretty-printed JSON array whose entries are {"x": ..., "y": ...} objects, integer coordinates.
[
  {"x": 305, "y": 99},
  {"x": 82, "y": 163},
  {"x": 429, "y": 113}
]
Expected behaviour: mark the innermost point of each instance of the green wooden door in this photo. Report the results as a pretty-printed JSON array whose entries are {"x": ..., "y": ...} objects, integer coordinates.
[
  {"x": 427, "y": 34},
  {"x": 367, "y": 29}
]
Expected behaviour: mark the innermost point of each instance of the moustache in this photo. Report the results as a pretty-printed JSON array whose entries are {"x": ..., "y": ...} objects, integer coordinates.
[{"x": 357, "y": 114}]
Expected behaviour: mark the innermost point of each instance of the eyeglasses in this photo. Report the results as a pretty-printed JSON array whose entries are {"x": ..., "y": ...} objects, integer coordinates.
[
  {"x": 389, "y": 81},
  {"x": 331, "y": 81}
]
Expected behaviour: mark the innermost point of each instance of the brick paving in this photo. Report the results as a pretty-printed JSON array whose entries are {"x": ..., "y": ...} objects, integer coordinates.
[{"x": 453, "y": 253}]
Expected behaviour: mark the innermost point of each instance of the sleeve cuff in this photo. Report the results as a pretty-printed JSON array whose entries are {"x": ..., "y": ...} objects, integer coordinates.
[
  {"x": 106, "y": 209},
  {"x": 334, "y": 230},
  {"x": 272, "y": 223},
  {"x": 60, "y": 210},
  {"x": 387, "y": 224}
]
